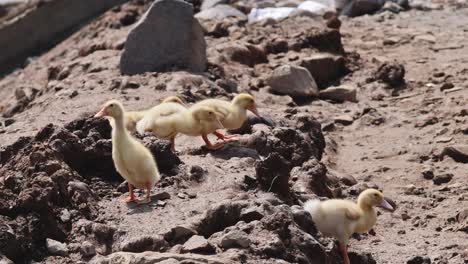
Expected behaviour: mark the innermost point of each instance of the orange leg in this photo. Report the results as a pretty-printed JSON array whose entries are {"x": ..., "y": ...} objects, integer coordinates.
[
  {"x": 131, "y": 196},
  {"x": 225, "y": 137},
  {"x": 211, "y": 146},
  {"x": 148, "y": 195},
  {"x": 344, "y": 252}
]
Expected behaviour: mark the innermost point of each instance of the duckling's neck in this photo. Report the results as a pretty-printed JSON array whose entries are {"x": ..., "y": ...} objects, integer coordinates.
[{"x": 119, "y": 129}]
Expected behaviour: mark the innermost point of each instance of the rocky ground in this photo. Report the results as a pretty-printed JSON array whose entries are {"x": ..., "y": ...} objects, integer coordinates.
[{"x": 404, "y": 132}]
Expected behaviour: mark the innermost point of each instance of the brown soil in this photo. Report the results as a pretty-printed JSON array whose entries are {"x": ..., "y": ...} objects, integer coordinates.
[{"x": 398, "y": 132}]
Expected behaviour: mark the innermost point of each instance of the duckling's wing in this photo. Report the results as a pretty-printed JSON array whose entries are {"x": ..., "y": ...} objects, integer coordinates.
[
  {"x": 352, "y": 213},
  {"x": 222, "y": 107}
]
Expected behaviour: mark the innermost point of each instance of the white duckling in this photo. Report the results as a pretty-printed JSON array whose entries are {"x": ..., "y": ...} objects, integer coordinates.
[
  {"x": 233, "y": 114},
  {"x": 167, "y": 123},
  {"x": 132, "y": 160},
  {"x": 341, "y": 218},
  {"x": 131, "y": 118}
]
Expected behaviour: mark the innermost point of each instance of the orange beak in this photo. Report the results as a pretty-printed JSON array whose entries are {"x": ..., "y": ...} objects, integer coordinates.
[
  {"x": 101, "y": 113},
  {"x": 254, "y": 110}
]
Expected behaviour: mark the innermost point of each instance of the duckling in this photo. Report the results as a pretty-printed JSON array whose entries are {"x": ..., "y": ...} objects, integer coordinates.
[
  {"x": 341, "y": 218},
  {"x": 131, "y": 118},
  {"x": 131, "y": 159},
  {"x": 233, "y": 114},
  {"x": 196, "y": 121}
]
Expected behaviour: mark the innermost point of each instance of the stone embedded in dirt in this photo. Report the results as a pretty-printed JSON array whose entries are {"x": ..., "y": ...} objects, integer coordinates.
[
  {"x": 206, "y": 4},
  {"x": 303, "y": 219},
  {"x": 158, "y": 257},
  {"x": 220, "y": 216},
  {"x": 149, "y": 47},
  {"x": 251, "y": 214},
  {"x": 235, "y": 239},
  {"x": 244, "y": 53},
  {"x": 458, "y": 153},
  {"x": 56, "y": 248},
  {"x": 348, "y": 180},
  {"x": 428, "y": 174},
  {"x": 198, "y": 244},
  {"x": 273, "y": 173},
  {"x": 392, "y": 7},
  {"x": 179, "y": 233},
  {"x": 419, "y": 260},
  {"x": 293, "y": 80},
  {"x": 102, "y": 232},
  {"x": 196, "y": 173},
  {"x": 87, "y": 249},
  {"x": 361, "y": 258},
  {"x": 168, "y": 162},
  {"x": 144, "y": 243},
  {"x": 442, "y": 178},
  {"x": 5, "y": 260},
  {"x": 220, "y": 11},
  {"x": 360, "y": 7},
  {"x": 324, "y": 67},
  {"x": 339, "y": 93},
  {"x": 312, "y": 177},
  {"x": 392, "y": 73},
  {"x": 344, "y": 120},
  {"x": 161, "y": 196},
  {"x": 246, "y": 128}
]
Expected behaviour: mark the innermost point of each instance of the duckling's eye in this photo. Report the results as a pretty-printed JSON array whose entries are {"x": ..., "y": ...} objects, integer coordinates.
[{"x": 111, "y": 105}]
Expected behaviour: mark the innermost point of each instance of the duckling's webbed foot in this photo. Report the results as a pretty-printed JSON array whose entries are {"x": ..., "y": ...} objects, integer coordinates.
[
  {"x": 344, "y": 253},
  {"x": 131, "y": 194},
  {"x": 147, "y": 199},
  {"x": 211, "y": 146},
  {"x": 225, "y": 138}
]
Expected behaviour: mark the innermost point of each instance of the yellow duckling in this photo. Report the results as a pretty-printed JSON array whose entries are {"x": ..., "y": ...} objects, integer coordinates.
[
  {"x": 234, "y": 113},
  {"x": 167, "y": 123},
  {"x": 131, "y": 159},
  {"x": 341, "y": 218},
  {"x": 131, "y": 118}
]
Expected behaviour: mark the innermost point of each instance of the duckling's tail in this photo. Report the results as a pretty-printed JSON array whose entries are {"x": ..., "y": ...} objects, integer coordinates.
[
  {"x": 312, "y": 206},
  {"x": 141, "y": 126}
]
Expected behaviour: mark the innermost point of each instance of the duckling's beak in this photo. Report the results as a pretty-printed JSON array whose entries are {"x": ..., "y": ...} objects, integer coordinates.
[
  {"x": 254, "y": 110},
  {"x": 385, "y": 205},
  {"x": 101, "y": 113}
]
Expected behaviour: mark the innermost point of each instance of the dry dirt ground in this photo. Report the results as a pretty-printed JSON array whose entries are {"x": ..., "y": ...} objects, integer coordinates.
[{"x": 396, "y": 135}]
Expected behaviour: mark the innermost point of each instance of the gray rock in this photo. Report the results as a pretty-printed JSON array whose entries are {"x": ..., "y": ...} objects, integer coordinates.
[
  {"x": 339, "y": 93},
  {"x": 344, "y": 120},
  {"x": 206, "y": 4},
  {"x": 56, "y": 248},
  {"x": 144, "y": 243},
  {"x": 361, "y": 7},
  {"x": 392, "y": 7},
  {"x": 459, "y": 153},
  {"x": 442, "y": 178},
  {"x": 5, "y": 260},
  {"x": 65, "y": 216},
  {"x": 419, "y": 260},
  {"x": 251, "y": 214},
  {"x": 220, "y": 12},
  {"x": 166, "y": 36},
  {"x": 197, "y": 244},
  {"x": 157, "y": 257},
  {"x": 87, "y": 249},
  {"x": 235, "y": 238},
  {"x": 181, "y": 232},
  {"x": 324, "y": 67},
  {"x": 293, "y": 80}
]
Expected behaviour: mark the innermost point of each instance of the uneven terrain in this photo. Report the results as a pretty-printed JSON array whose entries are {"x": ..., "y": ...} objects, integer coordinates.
[{"x": 242, "y": 204}]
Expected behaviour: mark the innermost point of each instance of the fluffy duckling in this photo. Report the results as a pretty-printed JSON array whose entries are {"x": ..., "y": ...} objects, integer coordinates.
[
  {"x": 196, "y": 121},
  {"x": 341, "y": 218},
  {"x": 131, "y": 159},
  {"x": 234, "y": 113},
  {"x": 131, "y": 118}
]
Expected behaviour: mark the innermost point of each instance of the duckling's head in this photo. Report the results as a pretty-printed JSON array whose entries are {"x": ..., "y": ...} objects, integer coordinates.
[
  {"x": 206, "y": 113},
  {"x": 112, "y": 108},
  {"x": 173, "y": 99},
  {"x": 371, "y": 198},
  {"x": 246, "y": 101}
]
